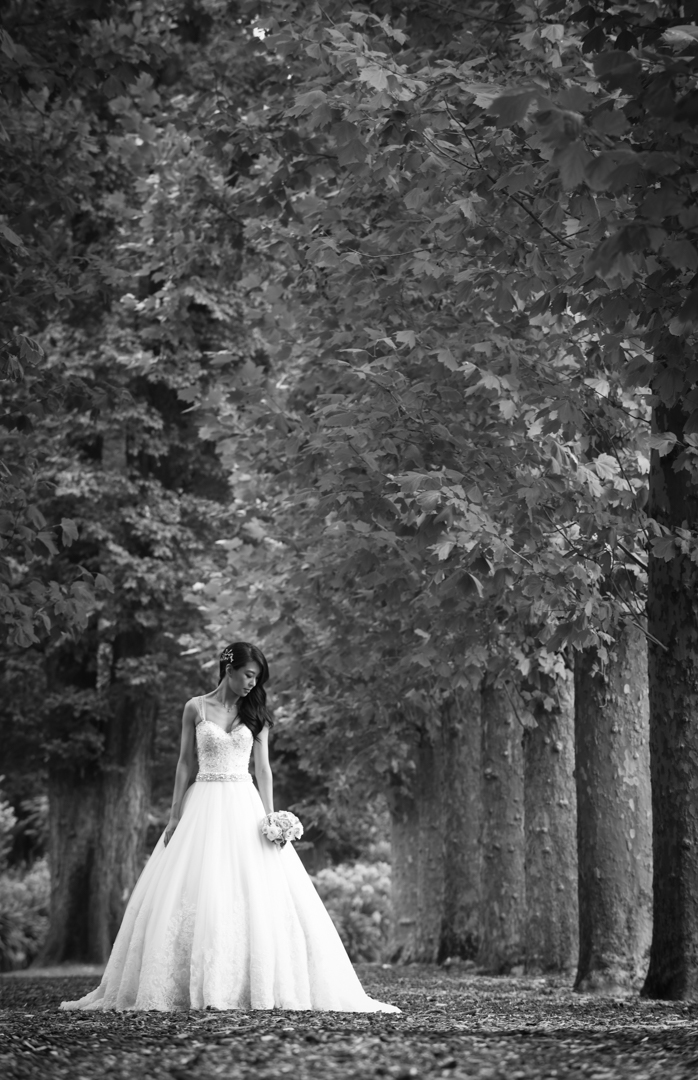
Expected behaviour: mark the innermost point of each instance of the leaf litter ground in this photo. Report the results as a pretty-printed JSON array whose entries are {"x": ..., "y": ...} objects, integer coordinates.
[{"x": 454, "y": 1026}]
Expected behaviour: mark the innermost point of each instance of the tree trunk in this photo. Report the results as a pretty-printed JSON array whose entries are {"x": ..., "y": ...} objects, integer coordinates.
[
  {"x": 435, "y": 843},
  {"x": 503, "y": 881},
  {"x": 417, "y": 857},
  {"x": 460, "y": 756},
  {"x": 98, "y": 817},
  {"x": 73, "y": 814},
  {"x": 101, "y": 744},
  {"x": 550, "y": 802},
  {"x": 673, "y": 665},
  {"x": 123, "y": 817},
  {"x": 613, "y": 816}
]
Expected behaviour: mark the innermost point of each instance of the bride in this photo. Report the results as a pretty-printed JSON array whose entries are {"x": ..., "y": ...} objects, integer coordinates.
[{"x": 220, "y": 916}]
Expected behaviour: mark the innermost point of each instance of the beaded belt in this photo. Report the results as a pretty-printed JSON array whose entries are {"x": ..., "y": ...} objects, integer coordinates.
[{"x": 217, "y": 776}]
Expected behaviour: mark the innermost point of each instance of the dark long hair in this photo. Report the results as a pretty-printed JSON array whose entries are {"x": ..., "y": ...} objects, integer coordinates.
[{"x": 252, "y": 708}]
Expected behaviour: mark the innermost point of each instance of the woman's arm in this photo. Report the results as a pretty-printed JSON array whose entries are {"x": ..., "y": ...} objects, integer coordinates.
[
  {"x": 185, "y": 767},
  {"x": 262, "y": 770}
]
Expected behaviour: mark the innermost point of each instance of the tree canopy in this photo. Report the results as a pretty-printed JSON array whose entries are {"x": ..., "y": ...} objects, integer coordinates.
[{"x": 365, "y": 330}]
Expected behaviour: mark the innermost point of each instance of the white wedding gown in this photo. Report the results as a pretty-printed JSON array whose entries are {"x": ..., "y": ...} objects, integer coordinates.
[{"x": 223, "y": 918}]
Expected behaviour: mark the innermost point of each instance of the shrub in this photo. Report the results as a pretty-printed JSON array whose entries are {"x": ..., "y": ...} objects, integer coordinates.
[
  {"x": 24, "y": 900},
  {"x": 8, "y": 820},
  {"x": 357, "y": 896},
  {"x": 24, "y": 903}
]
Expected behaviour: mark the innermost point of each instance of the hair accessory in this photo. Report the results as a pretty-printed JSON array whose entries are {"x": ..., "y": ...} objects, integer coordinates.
[{"x": 227, "y": 655}]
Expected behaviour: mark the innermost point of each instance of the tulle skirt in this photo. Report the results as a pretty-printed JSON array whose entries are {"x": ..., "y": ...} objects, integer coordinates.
[{"x": 222, "y": 918}]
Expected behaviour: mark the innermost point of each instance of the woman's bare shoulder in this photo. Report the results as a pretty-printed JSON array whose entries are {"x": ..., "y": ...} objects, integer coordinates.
[{"x": 192, "y": 709}]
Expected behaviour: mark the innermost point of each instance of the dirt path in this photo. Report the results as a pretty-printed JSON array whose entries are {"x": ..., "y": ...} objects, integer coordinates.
[{"x": 453, "y": 1027}]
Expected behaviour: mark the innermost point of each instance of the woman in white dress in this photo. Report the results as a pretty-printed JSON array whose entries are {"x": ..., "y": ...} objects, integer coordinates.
[{"x": 221, "y": 917}]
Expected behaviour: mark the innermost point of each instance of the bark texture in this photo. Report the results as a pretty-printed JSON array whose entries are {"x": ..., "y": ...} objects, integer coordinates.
[
  {"x": 73, "y": 813},
  {"x": 460, "y": 755},
  {"x": 417, "y": 881},
  {"x": 503, "y": 871},
  {"x": 673, "y": 665},
  {"x": 435, "y": 824},
  {"x": 123, "y": 813},
  {"x": 614, "y": 820},
  {"x": 550, "y": 802},
  {"x": 98, "y": 819}
]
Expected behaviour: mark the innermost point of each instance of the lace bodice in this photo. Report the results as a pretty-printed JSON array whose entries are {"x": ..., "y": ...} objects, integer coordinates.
[{"x": 222, "y": 755}]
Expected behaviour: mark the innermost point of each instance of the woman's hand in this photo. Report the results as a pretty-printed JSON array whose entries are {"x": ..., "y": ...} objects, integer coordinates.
[{"x": 169, "y": 830}]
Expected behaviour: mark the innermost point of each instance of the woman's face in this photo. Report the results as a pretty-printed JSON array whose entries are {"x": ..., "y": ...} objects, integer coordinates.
[{"x": 243, "y": 679}]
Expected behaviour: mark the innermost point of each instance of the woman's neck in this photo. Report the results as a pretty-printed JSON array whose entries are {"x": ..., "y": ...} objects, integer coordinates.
[{"x": 227, "y": 700}]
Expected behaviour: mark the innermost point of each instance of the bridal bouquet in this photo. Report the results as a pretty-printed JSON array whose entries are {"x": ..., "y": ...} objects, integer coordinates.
[{"x": 281, "y": 826}]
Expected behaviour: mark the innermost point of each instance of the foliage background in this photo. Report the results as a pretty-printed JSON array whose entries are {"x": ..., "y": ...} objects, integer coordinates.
[{"x": 354, "y": 330}]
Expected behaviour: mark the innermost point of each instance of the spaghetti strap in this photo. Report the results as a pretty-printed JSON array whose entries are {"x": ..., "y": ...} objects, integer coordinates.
[{"x": 200, "y": 709}]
